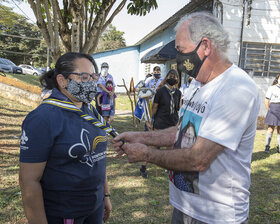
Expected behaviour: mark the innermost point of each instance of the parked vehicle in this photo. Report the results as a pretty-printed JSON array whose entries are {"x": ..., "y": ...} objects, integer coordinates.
[
  {"x": 16, "y": 69},
  {"x": 42, "y": 69},
  {"x": 4, "y": 67},
  {"x": 30, "y": 70}
]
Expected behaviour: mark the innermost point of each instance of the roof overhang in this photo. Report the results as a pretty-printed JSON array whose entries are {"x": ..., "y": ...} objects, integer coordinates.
[{"x": 161, "y": 54}]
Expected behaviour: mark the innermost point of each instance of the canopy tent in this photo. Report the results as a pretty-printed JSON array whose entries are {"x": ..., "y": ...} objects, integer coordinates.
[{"x": 161, "y": 54}]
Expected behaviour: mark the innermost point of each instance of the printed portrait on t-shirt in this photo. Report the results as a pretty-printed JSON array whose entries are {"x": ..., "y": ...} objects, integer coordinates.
[{"x": 186, "y": 136}]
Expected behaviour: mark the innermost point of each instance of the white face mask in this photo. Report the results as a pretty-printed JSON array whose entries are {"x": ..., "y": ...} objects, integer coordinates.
[{"x": 104, "y": 72}]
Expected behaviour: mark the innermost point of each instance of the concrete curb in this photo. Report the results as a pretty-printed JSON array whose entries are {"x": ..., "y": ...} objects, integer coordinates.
[{"x": 20, "y": 95}]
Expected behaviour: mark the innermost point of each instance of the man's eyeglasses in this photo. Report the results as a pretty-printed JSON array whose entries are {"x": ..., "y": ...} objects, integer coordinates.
[{"x": 84, "y": 76}]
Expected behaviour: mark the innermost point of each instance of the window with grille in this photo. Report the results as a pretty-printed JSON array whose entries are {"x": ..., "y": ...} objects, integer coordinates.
[
  {"x": 260, "y": 58},
  {"x": 147, "y": 69}
]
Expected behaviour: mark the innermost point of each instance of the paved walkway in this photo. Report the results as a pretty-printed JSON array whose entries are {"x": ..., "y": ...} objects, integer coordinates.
[{"x": 123, "y": 112}]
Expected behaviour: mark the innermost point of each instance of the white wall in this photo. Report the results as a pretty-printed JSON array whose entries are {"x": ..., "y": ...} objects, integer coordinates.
[
  {"x": 123, "y": 64},
  {"x": 264, "y": 23},
  {"x": 232, "y": 18}
]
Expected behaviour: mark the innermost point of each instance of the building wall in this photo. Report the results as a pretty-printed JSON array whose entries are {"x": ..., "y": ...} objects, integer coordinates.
[
  {"x": 232, "y": 18},
  {"x": 263, "y": 27},
  {"x": 123, "y": 64},
  {"x": 264, "y": 22},
  {"x": 158, "y": 40}
]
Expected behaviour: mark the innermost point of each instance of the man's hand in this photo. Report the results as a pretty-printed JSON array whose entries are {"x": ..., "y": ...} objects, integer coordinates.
[
  {"x": 135, "y": 152},
  {"x": 128, "y": 137}
]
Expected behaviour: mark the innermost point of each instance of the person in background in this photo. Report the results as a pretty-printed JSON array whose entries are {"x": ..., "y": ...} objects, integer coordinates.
[
  {"x": 166, "y": 102},
  {"x": 151, "y": 83},
  {"x": 210, "y": 168},
  {"x": 104, "y": 76},
  {"x": 272, "y": 119},
  {"x": 155, "y": 79},
  {"x": 60, "y": 178},
  {"x": 108, "y": 103}
]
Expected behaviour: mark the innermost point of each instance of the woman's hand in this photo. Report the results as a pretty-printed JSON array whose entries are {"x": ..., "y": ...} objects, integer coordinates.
[
  {"x": 107, "y": 208},
  {"x": 149, "y": 125}
]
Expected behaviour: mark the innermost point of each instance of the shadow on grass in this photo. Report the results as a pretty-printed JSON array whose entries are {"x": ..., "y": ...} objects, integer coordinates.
[
  {"x": 265, "y": 194},
  {"x": 261, "y": 155},
  {"x": 12, "y": 114},
  {"x": 11, "y": 132},
  {"x": 10, "y": 154},
  {"x": 9, "y": 125},
  {"x": 13, "y": 110}
]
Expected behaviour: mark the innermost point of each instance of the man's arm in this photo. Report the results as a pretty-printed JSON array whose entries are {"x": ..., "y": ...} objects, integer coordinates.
[
  {"x": 103, "y": 88},
  {"x": 29, "y": 178},
  {"x": 197, "y": 158},
  {"x": 164, "y": 137}
]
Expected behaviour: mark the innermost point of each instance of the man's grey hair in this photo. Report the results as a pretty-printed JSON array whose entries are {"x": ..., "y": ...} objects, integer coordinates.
[{"x": 205, "y": 24}]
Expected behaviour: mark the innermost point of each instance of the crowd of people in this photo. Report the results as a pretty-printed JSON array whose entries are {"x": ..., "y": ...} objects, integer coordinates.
[{"x": 207, "y": 130}]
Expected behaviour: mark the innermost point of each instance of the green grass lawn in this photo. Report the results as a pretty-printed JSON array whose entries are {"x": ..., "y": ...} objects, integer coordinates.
[
  {"x": 29, "y": 79},
  {"x": 134, "y": 199}
]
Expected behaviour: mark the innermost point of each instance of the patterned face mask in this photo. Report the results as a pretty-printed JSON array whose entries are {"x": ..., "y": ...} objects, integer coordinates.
[{"x": 83, "y": 91}]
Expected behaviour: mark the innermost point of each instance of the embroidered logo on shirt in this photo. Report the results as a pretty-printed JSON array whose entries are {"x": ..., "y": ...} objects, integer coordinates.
[
  {"x": 83, "y": 150},
  {"x": 23, "y": 138}
]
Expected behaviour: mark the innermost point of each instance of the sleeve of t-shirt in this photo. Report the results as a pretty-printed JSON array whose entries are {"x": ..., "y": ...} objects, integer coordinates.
[
  {"x": 229, "y": 116},
  {"x": 36, "y": 140},
  {"x": 148, "y": 82},
  {"x": 100, "y": 81},
  {"x": 268, "y": 94}
]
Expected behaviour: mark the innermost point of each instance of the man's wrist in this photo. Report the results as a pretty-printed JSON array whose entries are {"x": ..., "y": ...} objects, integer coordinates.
[{"x": 107, "y": 195}]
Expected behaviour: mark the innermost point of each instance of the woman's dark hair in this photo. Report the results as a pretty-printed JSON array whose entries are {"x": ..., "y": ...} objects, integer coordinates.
[
  {"x": 276, "y": 80},
  {"x": 156, "y": 68},
  {"x": 65, "y": 64},
  {"x": 171, "y": 72}
]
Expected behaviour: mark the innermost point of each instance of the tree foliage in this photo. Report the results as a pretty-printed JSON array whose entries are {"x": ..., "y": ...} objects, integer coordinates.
[
  {"x": 20, "y": 50},
  {"x": 79, "y": 24},
  {"x": 111, "y": 39}
]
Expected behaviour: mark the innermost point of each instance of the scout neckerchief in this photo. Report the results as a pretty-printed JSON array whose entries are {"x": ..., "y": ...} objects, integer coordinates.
[
  {"x": 172, "y": 103},
  {"x": 99, "y": 121}
]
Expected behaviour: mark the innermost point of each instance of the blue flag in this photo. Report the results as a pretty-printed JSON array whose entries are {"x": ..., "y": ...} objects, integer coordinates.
[{"x": 139, "y": 109}]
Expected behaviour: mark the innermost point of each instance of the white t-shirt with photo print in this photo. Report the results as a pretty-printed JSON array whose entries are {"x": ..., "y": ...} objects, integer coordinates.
[{"x": 224, "y": 111}]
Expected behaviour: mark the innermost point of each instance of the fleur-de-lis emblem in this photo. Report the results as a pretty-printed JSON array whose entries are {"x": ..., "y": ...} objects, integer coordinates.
[
  {"x": 23, "y": 138},
  {"x": 188, "y": 65},
  {"x": 83, "y": 150}
]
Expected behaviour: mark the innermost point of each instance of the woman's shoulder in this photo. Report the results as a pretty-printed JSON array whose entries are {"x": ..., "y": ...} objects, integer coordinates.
[{"x": 45, "y": 112}]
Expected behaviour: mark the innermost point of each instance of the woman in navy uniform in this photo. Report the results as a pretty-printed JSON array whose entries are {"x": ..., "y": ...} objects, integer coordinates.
[{"x": 62, "y": 153}]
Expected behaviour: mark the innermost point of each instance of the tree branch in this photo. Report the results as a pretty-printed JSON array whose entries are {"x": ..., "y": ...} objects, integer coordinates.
[
  {"x": 116, "y": 12},
  {"x": 40, "y": 21}
]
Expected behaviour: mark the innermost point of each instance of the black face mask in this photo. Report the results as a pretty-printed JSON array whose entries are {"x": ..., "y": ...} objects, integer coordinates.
[
  {"x": 189, "y": 63},
  {"x": 172, "y": 81},
  {"x": 157, "y": 75}
]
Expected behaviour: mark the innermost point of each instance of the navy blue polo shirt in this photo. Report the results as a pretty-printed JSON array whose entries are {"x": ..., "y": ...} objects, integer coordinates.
[{"x": 75, "y": 154}]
